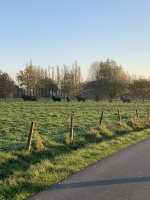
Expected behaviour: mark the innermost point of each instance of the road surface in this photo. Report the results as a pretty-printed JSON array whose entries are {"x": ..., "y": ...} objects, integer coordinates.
[{"x": 125, "y": 175}]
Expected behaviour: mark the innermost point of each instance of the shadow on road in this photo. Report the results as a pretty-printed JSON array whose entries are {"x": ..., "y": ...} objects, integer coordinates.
[{"x": 98, "y": 183}]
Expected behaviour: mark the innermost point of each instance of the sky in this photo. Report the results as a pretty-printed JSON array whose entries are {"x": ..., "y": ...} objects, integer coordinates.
[{"x": 58, "y": 32}]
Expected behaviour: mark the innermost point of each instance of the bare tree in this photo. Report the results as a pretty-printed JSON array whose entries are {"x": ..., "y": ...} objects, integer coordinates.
[
  {"x": 70, "y": 79},
  {"x": 97, "y": 85}
]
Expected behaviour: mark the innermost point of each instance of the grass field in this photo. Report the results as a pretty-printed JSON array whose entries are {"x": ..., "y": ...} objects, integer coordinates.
[{"x": 53, "y": 154}]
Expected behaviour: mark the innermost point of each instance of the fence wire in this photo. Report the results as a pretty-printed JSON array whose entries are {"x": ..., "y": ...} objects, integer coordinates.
[{"x": 15, "y": 137}]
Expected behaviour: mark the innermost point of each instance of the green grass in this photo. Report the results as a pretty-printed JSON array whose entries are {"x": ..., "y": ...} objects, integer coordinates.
[{"x": 54, "y": 155}]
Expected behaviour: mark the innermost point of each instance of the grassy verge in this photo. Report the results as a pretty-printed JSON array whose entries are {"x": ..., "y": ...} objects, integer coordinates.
[{"x": 22, "y": 174}]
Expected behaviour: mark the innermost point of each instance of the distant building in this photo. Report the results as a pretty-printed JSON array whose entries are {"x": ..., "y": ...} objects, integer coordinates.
[{"x": 89, "y": 91}]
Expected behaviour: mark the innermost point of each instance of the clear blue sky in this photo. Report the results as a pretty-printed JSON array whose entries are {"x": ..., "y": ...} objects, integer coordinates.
[{"x": 58, "y": 32}]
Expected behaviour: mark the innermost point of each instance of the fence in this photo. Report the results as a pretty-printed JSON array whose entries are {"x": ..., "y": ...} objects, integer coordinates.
[{"x": 26, "y": 138}]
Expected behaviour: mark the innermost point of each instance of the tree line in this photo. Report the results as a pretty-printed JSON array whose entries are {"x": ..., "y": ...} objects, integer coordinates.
[
  {"x": 108, "y": 78},
  {"x": 111, "y": 80},
  {"x": 36, "y": 81}
]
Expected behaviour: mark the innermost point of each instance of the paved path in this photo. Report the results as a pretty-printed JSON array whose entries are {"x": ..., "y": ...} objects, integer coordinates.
[{"x": 125, "y": 175}]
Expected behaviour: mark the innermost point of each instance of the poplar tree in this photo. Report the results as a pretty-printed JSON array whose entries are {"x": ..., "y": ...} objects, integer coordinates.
[{"x": 70, "y": 80}]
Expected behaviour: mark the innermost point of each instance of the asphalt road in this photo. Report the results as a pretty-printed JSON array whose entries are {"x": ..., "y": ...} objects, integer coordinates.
[{"x": 125, "y": 175}]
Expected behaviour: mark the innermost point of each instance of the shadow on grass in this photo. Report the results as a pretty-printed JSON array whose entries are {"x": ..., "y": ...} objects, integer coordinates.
[
  {"x": 23, "y": 188},
  {"x": 22, "y": 160}
]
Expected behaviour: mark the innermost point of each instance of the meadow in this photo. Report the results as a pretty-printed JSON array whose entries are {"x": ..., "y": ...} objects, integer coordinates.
[{"x": 53, "y": 154}]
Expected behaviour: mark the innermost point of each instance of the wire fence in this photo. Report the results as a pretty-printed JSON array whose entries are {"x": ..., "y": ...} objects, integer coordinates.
[{"x": 15, "y": 137}]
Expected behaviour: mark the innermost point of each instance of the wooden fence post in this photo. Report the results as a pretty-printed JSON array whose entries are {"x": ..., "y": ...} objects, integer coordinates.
[
  {"x": 148, "y": 111},
  {"x": 101, "y": 118},
  {"x": 137, "y": 113},
  {"x": 71, "y": 130},
  {"x": 30, "y": 137},
  {"x": 119, "y": 116}
]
